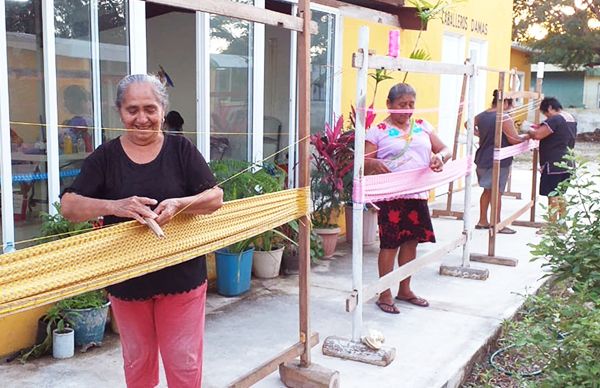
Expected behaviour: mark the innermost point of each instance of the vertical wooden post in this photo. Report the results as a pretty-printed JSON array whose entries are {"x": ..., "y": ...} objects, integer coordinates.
[
  {"x": 536, "y": 152},
  {"x": 496, "y": 168},
  {"x": 304, "y": 173},
  {"x": 463, "y": 91}
]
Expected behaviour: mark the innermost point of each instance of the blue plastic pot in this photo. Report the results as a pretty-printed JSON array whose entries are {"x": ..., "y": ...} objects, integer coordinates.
[
  {"x": 233, "y": 271},
  {"x": 88, "y": 324}
]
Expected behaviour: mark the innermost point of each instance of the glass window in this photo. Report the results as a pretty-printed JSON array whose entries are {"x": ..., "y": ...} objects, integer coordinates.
[
  {"x": 230, "y": 87},
  {"x": 27, "y": 132},
  {"x": 322, "y": 65},
  {"x": 114, "y": 60}
]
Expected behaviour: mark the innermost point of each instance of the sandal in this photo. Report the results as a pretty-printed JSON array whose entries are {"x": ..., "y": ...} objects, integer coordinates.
[
  {"x": 389, "y": 308},
  {"x": 479, "y": 226},
  {"x": 507, "y": 230},
  {"x": 414, "y": 300}
]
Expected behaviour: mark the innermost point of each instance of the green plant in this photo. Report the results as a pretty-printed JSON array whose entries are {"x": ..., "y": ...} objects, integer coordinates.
[
  {"x": 251, "y": 179},
  {"x": 316, "y": 245},
  {"x": 57, "y": 226},
  {"x": 426, "y": 12},
  {"x": 571, "y": 245},
  {"x": 57, "y": 317}
]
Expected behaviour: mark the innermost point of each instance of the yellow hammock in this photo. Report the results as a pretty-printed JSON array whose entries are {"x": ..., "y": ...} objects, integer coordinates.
[{"x": 56, "y": 270}]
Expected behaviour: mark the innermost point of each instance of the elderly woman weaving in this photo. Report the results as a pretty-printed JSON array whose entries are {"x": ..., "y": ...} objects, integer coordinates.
[
  {"x": 146, "y": 174},
  {"x": 401, "y": 143}
]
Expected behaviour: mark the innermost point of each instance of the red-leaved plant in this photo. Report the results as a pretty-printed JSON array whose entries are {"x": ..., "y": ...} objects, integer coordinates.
[{"x": 333, "y": 158}]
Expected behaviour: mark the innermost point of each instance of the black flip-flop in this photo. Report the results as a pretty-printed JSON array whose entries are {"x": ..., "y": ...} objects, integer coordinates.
[
  {"x": 391, "y": 308},
  {"x": 482, "y": 226},
  {"x": 507, "y": 230}
]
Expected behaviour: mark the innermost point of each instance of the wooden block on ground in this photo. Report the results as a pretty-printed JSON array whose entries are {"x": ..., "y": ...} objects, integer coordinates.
[
  {"x": 464, "y": 272},
  {"x": 314, "y": 376},
  {"x": 349, "y": 350},
  {"x": 511, "y": 194},
  {"x": 529, "y": 224},
  {"x": 498, "y": 260},
  {"x": 437, "y": 213}
]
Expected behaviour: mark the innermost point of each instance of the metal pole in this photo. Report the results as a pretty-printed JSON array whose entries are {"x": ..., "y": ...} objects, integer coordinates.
[
  {"x": 359, "y": 162},
  {"x": 469, "y": 177},
  {"x": 304, "y": 173},
  {"x": 8, "y": 225}
]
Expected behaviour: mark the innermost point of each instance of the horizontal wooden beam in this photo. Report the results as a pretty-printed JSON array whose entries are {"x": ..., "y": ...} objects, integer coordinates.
[
  {"x": 272, "y": 365},
  {"x": 408, "y": 269},
  {"x": 242, "y": 11},
  {"x": 411, "y": 65},
  {"x": 357, "y": 12},
  {"x": 512, "y": 218}
]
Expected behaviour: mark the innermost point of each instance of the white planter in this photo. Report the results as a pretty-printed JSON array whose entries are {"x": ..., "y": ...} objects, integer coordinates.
[
  {"x": 370, "y": 229},
  {"x": 63, "y": 343},
  {"x": 266, "y": 264}
]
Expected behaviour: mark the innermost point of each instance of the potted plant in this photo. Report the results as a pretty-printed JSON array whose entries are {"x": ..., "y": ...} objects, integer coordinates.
[
  {"x": 332, "y": 160},
  {"x": 234, "y": 263},
  {"x": 268, "y": 253},
  {"x": 290, "y": 262}
]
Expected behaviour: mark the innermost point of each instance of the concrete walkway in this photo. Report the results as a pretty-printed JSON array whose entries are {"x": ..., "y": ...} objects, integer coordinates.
[{"x": 433, "y": 344}]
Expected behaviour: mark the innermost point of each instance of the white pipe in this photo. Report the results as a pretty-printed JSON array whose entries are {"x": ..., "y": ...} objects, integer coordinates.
[
  {"x": 359, "y": 161},
  {"x": 469, "y": 177}
]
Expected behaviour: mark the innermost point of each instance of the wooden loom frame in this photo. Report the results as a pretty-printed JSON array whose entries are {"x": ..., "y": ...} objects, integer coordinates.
[
  {"x": 363, "y": 61},
  {"x": 491, "y": 257},
  {"x": 304, "y": 26}
]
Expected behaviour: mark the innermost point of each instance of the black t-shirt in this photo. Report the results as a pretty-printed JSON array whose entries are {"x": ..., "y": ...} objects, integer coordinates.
[
  {"x": 486, "y": 125},
  {"x": 556, "y": 145},
  {"x": 179, "y": 170}
]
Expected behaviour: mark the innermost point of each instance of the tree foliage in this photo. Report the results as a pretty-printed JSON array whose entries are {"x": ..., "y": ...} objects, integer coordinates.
[{"x": 570, "y": 41}]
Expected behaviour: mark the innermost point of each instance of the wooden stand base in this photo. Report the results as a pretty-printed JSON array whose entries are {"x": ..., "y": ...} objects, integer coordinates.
[
  {"x": 436, "y": 213},
  {"x": 511, "y": 194},
  {"x": 314, "y": 376},
  {"x": 498, "y": 260},
  {"x": 529, "y": 224},
  {"x": 348, "y": 350},
  {"x": 464, "y": 272}
]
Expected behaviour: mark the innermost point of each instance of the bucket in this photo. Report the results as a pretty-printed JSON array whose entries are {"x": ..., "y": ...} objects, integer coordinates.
[
  {"x": 233, "y": 271},
  {"x": 88, "y": 324},
  {"x": 62, "y": 343}
]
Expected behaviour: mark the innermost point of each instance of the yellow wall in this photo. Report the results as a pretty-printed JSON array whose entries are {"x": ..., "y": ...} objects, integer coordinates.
[
  {"x": 497, "y": 15},
  {"x": 18, "y": 331},
  {"x": 522, "y": 62}
]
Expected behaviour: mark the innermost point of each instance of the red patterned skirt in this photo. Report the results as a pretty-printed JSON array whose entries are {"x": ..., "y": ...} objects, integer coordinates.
[{"x": 402, "y": 220}]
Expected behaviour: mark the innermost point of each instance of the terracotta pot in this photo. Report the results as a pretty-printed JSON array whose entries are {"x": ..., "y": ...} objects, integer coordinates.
[
  {"x": 369, "y": 226},
  {"x": 329, "y": 237}
]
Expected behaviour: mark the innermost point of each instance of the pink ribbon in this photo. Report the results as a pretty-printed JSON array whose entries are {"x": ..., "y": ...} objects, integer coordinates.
[
  {"x": 393, "y": 185},
  {"x": 394, "y": 43},
  {"x": 513, "y": 150}
]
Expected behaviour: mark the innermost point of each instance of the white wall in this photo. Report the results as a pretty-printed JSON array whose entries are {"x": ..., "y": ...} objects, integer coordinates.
[
  {"x": 591, "y": 92},
  {"x": 172, "y": 43}
]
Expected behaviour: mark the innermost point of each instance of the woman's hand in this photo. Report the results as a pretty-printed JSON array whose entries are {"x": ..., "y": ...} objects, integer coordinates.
[
  {"x": 437, "y": 163},
  {"x": 133, "y": 207},
  {"x": 167, "y": 209},
  {"x": 375, "y": 167}
]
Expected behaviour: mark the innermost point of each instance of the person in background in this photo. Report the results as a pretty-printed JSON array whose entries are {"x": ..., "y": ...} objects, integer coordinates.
[
  {"x": 145, "y": 174},
  {"x": 485, "y": 128},
  {"x": 174, "y": 122},
  {"x": 401, "y": 143},
  {"x": 557, "y": 136},
  {"x": 78, "y": 103}
]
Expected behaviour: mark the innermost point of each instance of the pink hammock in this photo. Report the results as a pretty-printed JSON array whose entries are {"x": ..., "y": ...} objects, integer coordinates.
[{"x": 389, "y": 186}]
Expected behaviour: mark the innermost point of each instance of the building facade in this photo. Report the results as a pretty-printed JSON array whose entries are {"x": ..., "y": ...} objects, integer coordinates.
[{"x": 232, "y": 81}]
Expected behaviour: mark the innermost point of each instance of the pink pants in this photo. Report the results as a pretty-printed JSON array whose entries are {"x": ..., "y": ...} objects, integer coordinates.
[{"x": 172, "y": 323}]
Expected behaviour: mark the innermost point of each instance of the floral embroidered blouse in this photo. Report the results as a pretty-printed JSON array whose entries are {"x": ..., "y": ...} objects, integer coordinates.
[{"x": 403, "y": 150}]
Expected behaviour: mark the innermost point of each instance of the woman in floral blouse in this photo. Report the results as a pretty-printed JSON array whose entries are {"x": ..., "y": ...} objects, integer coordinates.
[{"x": 401, "y": 143}]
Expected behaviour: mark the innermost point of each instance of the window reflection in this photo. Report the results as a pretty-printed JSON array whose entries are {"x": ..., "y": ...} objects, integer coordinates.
[
  {"x": 230, "y": 88},
  {"x": 322, "y": 62}
]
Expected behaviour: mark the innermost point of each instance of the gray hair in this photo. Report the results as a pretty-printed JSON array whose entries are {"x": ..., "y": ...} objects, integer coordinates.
[
  {"x": 159, "y": 89},
  {"x": 400, "y": 90}
]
